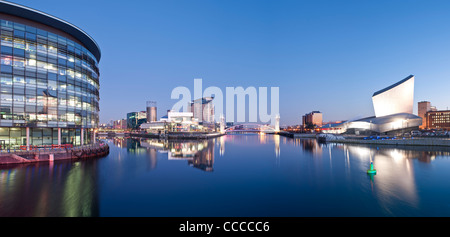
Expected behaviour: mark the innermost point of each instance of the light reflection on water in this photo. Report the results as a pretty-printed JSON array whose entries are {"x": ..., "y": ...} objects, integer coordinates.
[{"x": 234, "y": 175}]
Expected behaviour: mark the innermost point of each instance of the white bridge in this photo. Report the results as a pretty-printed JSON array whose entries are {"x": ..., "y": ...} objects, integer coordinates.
[{"x": 252, "y": 128}]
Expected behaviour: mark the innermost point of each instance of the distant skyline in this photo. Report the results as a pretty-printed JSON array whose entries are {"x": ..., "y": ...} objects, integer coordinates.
[{"x": 329, "y": 56}]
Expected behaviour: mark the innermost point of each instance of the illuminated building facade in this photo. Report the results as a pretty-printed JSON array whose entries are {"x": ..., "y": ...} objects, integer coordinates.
[
  {"x": 151, "y": 111},
  {"x": 438, "y": 119},
  {"x": 49, "y": 80},
  {"x": 315, "y": 117},
  {"x": 135, "y": 119},
  {"x": 120, "y": 124},
  {"x": 203, "y": 109},
  {"x": 177, "y": 122},
  {"x": 393, "y": 108},
  {"x": 394, "y": 99},
  {"x": 423, "y": 108}
]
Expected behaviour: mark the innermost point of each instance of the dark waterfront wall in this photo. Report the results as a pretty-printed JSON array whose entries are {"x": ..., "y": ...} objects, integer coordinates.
[{"x": 50, "y": 154}]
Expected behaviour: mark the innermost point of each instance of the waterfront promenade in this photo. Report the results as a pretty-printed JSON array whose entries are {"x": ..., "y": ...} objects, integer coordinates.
[
  {"x": 410, "y": 141},
  {"x": 11, "y": 157}
]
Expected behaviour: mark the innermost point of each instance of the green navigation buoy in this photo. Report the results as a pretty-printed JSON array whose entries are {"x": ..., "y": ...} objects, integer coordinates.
[{"x": 371, "y": 170}]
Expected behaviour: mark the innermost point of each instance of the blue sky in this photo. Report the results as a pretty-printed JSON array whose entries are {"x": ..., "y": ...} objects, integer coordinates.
[{"x": 323, "y": 55}]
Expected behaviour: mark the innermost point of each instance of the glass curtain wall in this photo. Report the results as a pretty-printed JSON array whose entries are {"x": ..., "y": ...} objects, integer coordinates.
[
  {"x": 16, "y": 137},
  {"x": 46, "y": 82}
]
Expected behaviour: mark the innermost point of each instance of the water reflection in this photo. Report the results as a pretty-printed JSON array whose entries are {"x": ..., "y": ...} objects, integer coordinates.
[
  {"x": 276, "y": 139},
  {"x": 311, "y": 146},
  {"x": 248, "y": 175},
  {"x": 424, "y": 154},
  {"x": 198, "y": 153},
  {"x": 395, "y": 180},
  {"x": 55, "y": 189}
]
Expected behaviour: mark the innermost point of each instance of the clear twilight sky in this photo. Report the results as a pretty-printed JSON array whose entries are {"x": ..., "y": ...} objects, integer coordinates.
[{"x": 329, "y": 56}]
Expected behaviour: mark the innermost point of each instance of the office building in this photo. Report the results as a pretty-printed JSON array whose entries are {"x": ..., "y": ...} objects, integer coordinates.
[
  {"x": 120, "y": 124},
  {"x": 135, "y": 119},
  {"x": 49, "y": 80},
  {"x": 313, "y": 118},
  {"x": 439, "y": 119}
]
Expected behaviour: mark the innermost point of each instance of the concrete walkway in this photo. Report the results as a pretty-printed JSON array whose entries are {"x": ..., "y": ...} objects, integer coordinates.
[{"x": 50, "y": 155}]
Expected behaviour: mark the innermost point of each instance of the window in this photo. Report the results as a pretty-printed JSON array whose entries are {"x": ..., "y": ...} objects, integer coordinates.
[
  {"x": 6, "y": 60},
  {"x": 19, "y": 80},
  {"x": 19, "y": 33},
  {"x": 7, "y": 40},
  {"x": 55, "y": 75},
  {"x": 18, "y": 62},
  {"x": 31, "y": 62},
  {"x": 19, "y": 43}
]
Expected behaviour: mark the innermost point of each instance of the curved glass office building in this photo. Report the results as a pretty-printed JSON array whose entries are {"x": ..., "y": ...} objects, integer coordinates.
[{"x": 49, "y": 80}]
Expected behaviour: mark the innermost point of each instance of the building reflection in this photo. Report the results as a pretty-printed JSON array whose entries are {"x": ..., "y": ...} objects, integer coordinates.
[
  {"x": 421, "y": 153},
  {"x": 424, "y": 154},
  {"x": 395, "y": 178},
  {"x": 199, "y": 154},
  {"x": 60, "y": 189},
  {"x": 204, "y": 159},
  {"x": 222, "y": 145},
  {"x": 133, "y": 146},
  {"x": 310, "y": 146}
]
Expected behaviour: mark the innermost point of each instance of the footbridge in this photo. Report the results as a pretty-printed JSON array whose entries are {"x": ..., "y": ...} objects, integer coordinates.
[{"x": 251, "y": 128}]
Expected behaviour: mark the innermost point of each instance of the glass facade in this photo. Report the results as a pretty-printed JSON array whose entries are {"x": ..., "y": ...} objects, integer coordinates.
[
  {"x": 135, "y": 119},
  {"x": 47, "y": 82}
]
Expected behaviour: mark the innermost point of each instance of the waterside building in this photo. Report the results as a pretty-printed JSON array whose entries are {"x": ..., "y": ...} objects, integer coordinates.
[{"x": 49, "y": 80}]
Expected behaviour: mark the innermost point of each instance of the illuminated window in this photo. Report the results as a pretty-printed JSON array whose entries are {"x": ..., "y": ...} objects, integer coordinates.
[{"x": 6, "y": 60}]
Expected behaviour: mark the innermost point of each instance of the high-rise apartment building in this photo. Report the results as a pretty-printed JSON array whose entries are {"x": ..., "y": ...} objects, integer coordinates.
[
  {"x": 315, "y": 117},
  {"x": 203, "y": 109}
]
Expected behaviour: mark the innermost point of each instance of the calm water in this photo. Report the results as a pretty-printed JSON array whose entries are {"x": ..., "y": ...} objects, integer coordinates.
[{"x": 235, "y": 175}]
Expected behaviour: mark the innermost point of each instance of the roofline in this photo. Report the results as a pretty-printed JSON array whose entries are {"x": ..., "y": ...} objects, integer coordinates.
[
  {"x": 393, "y": 85},
  {"x": 437, "y": 111},
  {"x": 52, "y": 21}
]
